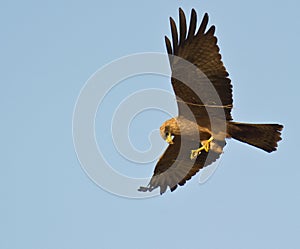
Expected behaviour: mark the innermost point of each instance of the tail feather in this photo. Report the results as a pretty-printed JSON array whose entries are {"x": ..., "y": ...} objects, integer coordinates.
[{"x": 263, "y": 136}]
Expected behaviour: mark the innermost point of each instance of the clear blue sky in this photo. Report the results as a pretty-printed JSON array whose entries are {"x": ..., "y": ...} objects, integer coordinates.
[{"x": 50, "y": 48}]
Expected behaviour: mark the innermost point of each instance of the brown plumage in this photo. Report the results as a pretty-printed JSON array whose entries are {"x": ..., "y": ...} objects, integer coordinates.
[{"x": 204, "y": 97}]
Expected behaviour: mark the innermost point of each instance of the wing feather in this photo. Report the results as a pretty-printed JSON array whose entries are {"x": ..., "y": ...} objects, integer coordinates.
[
  {"x": 202, "y": 51},
  {"x": 168, "y": 45},
  {"x": 171, "y": 171},
  {"x": 182, "y": 27},
  {"x": 174, "y": 36},
  {"x": 193, "y": 24},
  {"x": 203, "y": 25}
]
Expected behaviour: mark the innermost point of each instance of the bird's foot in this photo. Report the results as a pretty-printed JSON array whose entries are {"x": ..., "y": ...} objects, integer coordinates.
[
  {"x": 169, "y": 139},
  {"x": 205, "y": 146}
]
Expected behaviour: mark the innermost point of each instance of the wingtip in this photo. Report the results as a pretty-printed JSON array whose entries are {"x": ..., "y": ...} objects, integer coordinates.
[
  {"x": 181, "y": 12},
  {"x": 173, "y": 188},
  {"x": 142, "y": 189},
  {"x": 193, "y": 24},
  {"x": 168, "y": 45},
  {"x": 203, "y": 25},
  {"x": 212, "y": 30},
  {"x": 174, "y": 35},
  {"x": 280, "y": 127},
  {"x": 172, "y": 23},
  {"x": 206, "y": 18}
]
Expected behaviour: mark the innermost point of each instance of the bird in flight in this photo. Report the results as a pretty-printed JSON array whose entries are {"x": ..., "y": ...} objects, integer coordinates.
[{"x": 203, "y": 92}]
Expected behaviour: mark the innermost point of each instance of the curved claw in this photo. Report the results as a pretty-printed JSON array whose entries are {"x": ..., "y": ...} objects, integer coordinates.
[
  {"x": 169, "y": 139},
  {"x": 195, "y": 153},
  {"x": 205, "y": 146}
]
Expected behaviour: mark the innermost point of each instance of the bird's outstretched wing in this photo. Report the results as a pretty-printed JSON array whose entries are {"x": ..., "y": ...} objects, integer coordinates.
[
  {"x": 212, "y": 88},
  {"x": 175, "y": 167},
  {"x": 205, "y": 93}
]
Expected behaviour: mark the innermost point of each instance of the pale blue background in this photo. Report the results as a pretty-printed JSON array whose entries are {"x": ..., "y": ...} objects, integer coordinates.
[{"x": 50, "y": 48}]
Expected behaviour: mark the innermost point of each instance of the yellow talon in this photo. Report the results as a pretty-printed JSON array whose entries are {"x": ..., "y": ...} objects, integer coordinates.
[
  {"x": 205, "y": 146},
  {"x": 195, "y": 153},
  {"x": 169, "y": 139}
]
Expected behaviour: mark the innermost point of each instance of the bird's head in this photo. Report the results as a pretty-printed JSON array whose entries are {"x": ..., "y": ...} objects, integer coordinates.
[{"x": 169, "y": 129}]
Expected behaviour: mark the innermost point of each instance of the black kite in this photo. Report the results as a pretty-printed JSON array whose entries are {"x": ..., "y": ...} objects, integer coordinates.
[{"x": 200, "y": 48}]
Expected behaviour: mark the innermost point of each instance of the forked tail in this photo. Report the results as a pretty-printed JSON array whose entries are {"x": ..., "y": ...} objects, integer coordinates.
[{"x": 263, "y": 136}]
